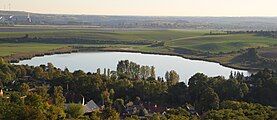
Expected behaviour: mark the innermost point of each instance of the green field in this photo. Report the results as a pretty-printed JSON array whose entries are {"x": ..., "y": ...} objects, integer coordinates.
[
  {"x": 103, "y": 34},
  {"x": 8, "y": 49},
  {"x": 223, "y": 43}
]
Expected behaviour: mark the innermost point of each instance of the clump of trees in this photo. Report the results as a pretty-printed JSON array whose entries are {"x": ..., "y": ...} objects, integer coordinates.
[{"x": 131, "y": 70}]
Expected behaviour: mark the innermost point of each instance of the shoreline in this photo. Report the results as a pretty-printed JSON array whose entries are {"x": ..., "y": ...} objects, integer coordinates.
[{"x": 15, "y": 58}]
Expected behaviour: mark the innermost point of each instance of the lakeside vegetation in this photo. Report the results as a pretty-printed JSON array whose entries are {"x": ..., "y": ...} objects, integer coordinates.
[{"x": 133, "y": 92}]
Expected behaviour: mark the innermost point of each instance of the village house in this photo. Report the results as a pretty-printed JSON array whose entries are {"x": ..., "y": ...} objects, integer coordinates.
[{"x": 79, "y": 99}]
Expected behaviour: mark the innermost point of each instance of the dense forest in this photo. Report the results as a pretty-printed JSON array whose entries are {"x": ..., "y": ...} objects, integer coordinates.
[{"x": 133, "y": 92}]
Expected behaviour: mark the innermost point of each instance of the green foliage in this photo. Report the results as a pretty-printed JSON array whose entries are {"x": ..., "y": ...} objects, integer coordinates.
[
  {"x": 75, "y": 110},
  {"x": 240, "y": 110},
  {"x": 177, "y": 114},
  {"x": 172, "y": 77},
  {"x": 226, "y": 114},
  {"x": 133, "y": 117},
  {"x": 58, "y": 97},
  {"x": 95, "y": 115},
  {"x": 131, "y": 70},
  {"x": 24, "y": 89},
  {"x": 110, "y": 114},
  {"x": 208, "y": 100},
  {"x": 34, "y": 100},
  {"x": 119, "y": 105},
  {"x": 42, "y": 91},
  {"x": 55, "y": 113},
  {"x": 203, "y": 94},
  {"x": 158, "y": 117},
  {"x": 178, "y": 94},
  {"x": 16, "y": 99}
]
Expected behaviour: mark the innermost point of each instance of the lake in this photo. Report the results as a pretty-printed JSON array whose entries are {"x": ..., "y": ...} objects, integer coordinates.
[{"x": 90, "y": 61}]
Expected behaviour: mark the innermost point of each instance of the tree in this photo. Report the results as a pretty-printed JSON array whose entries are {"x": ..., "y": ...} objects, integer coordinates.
[
  {"x": 209, "y": 100},
  {"x": 241, "y": 110},
  {"x": 39, "y": 73},
  {"x": 110, "y": 114},
  {"x": 15, "y": 98},
  {"x": 75, "y": 110},
  {"x": 58, "y": 97},
  {"x": 172, "y": 77},
  {"x": 24, "y": 89},
  {"x": 197, "y": 84},
  {"x": 119, "y": 105},
  {"x": 35, "y": 101},
  {"x": 106, "y": 98},
  {"x": 55, "y": 113},
  {"x": 178, "y": 94},
  {"x": 98, "y": 71},
  {"x": 42, "y": 91},
  {"x": 177, "y": 114},
  {"x": 153, "y": 72},
  {"x": 95, "y": 115}
]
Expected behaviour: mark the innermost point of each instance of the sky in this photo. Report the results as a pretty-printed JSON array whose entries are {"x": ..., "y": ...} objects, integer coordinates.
[{"x": 147, "y": 7}]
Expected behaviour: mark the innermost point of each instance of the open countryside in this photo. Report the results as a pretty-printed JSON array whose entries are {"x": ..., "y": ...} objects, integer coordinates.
[{"x": 138, "y": 62}]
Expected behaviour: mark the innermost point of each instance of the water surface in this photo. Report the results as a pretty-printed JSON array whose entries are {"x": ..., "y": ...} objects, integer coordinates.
[{"x": 90, "y": 61}]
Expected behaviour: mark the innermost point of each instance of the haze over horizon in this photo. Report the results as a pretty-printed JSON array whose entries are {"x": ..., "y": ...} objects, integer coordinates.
[{"x": 146, "y": 7}]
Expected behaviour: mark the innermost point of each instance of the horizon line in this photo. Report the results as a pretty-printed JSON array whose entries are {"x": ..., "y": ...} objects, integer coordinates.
[{"x": 79, "y": 14}]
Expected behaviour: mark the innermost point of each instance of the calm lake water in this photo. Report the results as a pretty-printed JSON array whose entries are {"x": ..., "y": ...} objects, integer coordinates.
[{"x": 90, "y": 61}]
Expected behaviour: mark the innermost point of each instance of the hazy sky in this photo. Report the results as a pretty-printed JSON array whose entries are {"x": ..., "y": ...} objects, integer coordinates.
[{"x": 148, "y": 7}]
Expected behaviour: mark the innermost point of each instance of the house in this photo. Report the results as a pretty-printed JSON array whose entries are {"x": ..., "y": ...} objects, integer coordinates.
[
  {"x": 80, "y": 99},
  {"x": 91, "y": 106}
]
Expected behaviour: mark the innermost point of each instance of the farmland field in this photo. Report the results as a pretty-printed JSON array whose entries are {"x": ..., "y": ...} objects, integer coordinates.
[
  {"x": 223, "y": 43},
  {"x": 103, "y": 34}
]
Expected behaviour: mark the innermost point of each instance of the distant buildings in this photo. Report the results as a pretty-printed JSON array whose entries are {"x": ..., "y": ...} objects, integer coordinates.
[{"x": 29, "y": 19}]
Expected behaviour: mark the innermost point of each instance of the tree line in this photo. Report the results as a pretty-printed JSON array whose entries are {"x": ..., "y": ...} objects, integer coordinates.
[
  {"x": 38, "y": 93},
  {"x": 272, "y": 34}
]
